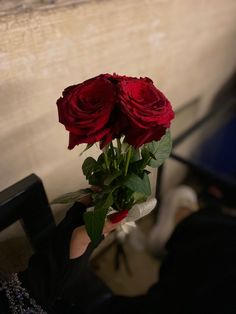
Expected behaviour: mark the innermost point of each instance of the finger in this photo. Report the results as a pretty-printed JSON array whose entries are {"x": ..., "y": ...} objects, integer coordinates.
[
  {"x": 117, "y": 217},
  {"x": 114, "y": 220},
  {"x": 109, "y": 226}
]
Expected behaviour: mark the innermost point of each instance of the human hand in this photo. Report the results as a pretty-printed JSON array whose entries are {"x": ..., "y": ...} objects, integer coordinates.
[{"x": 80, "y": 239}]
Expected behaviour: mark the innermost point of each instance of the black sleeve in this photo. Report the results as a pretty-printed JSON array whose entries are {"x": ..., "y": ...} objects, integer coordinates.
[{"x": 47, "y": 267}]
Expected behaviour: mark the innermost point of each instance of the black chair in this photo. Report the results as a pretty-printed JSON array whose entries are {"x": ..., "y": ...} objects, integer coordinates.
[{"x": 27, "y": 201}]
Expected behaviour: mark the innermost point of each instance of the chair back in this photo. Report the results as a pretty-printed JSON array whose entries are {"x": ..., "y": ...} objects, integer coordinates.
[{"x": 26, "y": 201}]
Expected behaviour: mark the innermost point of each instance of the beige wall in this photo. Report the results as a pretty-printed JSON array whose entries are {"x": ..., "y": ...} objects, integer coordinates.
[{"x": 187, "y": 47}]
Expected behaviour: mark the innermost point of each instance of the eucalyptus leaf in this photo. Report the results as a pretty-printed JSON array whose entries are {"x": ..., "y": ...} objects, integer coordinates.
[{"x": 71, "y": 197}]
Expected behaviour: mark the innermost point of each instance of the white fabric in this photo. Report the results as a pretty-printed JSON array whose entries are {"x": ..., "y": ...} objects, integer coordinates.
[
  {"x": 140, "y": 210},
  {"x": 129, "y": 228},
  {"x": 180, "y": 197}
]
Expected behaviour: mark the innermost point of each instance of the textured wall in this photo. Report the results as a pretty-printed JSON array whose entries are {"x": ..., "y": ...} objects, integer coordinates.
[
  {"x": 16, "y": 6},
  {"x": 187, "y": 47}
]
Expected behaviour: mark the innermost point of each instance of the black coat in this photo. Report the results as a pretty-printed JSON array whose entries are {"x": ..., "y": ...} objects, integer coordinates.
[{"x": 197, "y": 276}]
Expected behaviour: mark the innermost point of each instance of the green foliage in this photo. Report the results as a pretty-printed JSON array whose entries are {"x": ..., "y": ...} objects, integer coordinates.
[
  {"x": 94, "y": 222},
  {"x": 111, "y": 177},
  {"x": 104, "y": 201},
  {"x": 121, "y": 174},
  {"x": 88, "y": 166},
  {"x": 158, "y": 151},
  {"x": 137, "y": 184}
]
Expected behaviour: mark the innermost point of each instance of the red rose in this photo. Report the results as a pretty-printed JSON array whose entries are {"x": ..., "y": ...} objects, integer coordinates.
[
  {"x": 116, "y": 78},
  {"x": 85, "y": 110},
  {"x": 145, "y": 109}
]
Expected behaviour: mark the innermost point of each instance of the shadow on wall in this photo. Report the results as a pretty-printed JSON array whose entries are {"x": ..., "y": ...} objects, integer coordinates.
[
  {"x": 213, "y": 170},
  {"x": 185, "y": 122},
  {"x": 226, "y": 93}
]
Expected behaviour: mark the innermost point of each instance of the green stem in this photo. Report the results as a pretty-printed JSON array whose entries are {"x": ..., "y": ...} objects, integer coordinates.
[
  {"x": 112, "y": 149},
  {"x": 127, "y": 160},
  {"x": 119, "y": 145},
  {"x": 106, "y": 160},
  {"x": 113, "y": 155}
]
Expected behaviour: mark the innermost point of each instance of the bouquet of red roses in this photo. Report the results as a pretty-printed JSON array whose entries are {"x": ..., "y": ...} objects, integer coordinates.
[{"x": 130, "y": 118}]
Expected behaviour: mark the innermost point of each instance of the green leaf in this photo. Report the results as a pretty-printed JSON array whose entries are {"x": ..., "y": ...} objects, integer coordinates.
[
  {"x": 111, "y": 177},
  {"x": 71, "y": 197},
  {"x": 105, "y": 201},
  {"x": 161, "y": 150},
  {"x": 101, "y": 162},
  {"x": 139, "y": 197},
  {"x": 95, "y": 178},
  {"x": 147, "y": 183},
  {"x": 150, "y": 148},
  {"x": 146, "y": 156},
  {"x": 94, "y": 223},
  {"x": 135, "y": 156},
  {"x": 127, "y": 198},
  {"x": 136, "y": 184},
  {"x": 88, "y": 166},
  {"x": 94, "y": 220},
  {"x": 152, "y": 155}
]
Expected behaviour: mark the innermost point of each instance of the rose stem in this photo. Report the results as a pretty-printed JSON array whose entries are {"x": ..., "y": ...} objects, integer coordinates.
[
  {"x": 127, "y": 160},
  {"x": 119, "y": 152},
  {"x": 113, "y": 155},
  {"x": 106, "y": 160},
  {"x": 119, "y": 146}
]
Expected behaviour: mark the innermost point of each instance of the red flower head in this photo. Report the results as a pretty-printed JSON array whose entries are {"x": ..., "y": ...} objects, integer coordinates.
[
  {"x": 145, "y": 109},
  {"x": 108, "y": 106},
  {"x": 85, "y": 110}
]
